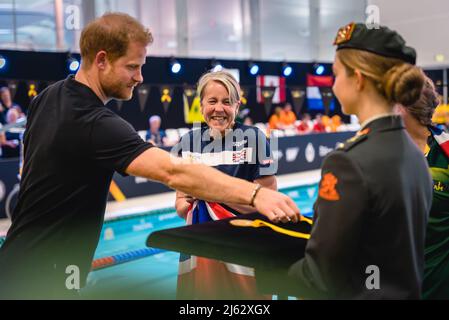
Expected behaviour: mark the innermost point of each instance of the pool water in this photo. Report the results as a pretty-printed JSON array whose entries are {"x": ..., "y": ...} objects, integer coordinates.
[{"x": 151, "y": 276}]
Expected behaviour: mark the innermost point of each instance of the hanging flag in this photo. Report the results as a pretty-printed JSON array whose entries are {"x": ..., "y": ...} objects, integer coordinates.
[
  {"x": 268, "y": 94},
  {"x": 319, "y": 93},
  {"x": 299, "y": 96},
  {"x": 192, "y": 106},
  {"x": 32, "y": 89},
  {"x": 277, "y": 82},
  {"x": 12, "y": 85},
  {"x": 166, "y": 96},
  {"x": 143, "y": 93},
  {"x": 319, "y": 81},
  {"x": 243, "y": 96},
  {"x": 327, "y": 96}
]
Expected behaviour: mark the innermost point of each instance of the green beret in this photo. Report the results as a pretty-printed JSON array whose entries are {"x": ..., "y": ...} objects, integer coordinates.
[{"x": 382, "y": 41}]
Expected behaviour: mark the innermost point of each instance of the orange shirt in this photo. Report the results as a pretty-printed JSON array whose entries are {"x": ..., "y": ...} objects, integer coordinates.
[
  {"x": 274, "y": 121},
  {"x": 288, "y": 118}
]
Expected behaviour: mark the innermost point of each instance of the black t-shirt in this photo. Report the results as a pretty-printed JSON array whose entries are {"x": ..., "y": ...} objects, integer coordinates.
[{"x": 73, "y": 144}]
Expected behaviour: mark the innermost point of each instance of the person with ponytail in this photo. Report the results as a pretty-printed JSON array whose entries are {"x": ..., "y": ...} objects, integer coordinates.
[
  {"x": 375, "y": 193},
  {"x": 432, "y": 141}
]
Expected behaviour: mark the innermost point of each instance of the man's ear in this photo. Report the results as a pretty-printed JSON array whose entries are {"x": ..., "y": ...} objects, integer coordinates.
[
  {"x": 360, "y": 80},
  {"x": 101, "y": 60}
]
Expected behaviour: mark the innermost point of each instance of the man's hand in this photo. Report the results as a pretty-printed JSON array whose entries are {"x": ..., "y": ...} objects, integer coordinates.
[{"x": 276, "y": 206}]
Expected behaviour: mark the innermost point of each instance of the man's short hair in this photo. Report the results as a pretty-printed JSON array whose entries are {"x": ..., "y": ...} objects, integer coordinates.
[{"x": 113, "y": 32}]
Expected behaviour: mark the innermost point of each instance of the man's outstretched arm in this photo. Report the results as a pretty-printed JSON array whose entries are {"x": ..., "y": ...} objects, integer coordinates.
[{"x": 206, "y": 183}]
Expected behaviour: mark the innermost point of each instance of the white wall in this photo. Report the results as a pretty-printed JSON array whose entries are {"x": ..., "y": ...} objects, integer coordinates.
[
  {"x": 423, "y": 24},
  {"x": 295, "y": 30}
]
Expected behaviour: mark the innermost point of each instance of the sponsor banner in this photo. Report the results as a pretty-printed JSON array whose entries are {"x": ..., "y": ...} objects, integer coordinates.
[
  {"x": 278, "y": 85},
  {"x": 303, "y": 153}
]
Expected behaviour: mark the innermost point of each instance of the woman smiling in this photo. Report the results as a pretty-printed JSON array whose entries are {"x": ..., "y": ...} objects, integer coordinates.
[{"x": 237, "y": 150}]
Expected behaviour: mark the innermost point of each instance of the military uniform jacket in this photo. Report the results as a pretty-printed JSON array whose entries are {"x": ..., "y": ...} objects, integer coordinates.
[{"x": 368, "y": 237}]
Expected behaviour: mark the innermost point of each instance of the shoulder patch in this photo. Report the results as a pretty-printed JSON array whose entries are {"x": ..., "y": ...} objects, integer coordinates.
[
  {"x": 328, "y": 189},
  {"x": 359, "y": 137}
]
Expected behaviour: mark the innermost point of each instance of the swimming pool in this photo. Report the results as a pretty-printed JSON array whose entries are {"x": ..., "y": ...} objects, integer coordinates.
[{"x": 124, "y": 268}]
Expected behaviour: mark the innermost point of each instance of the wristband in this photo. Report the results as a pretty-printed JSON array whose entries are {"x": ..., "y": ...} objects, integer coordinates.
[{"x": 254, "y": 194}]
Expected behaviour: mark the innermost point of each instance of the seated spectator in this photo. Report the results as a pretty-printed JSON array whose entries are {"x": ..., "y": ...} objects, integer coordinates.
[
  {"x": 288, "y": 117},
  {"x": 10, "y": 140},
  {"x": 248, "y": 121},
  {"x": 155, "y": 135},
  {"x": 306, "y": 125},
  {"x": 243, "y": 114},
  {"x": 2, "y": 114},
  {"x": 326, "y": 122},
  {"x": 319, "y": 127},
  {"x": 335, "y": 123},
  {"x": 275, "y": 120},
  {"x": 12, "y": 115},
  {"x": 6, "y": 101}
]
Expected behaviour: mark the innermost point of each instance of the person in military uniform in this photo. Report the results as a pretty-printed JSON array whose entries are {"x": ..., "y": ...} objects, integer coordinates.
[
  {"x": 433, "y": 142},
  {"x": 368, "y": 235}
]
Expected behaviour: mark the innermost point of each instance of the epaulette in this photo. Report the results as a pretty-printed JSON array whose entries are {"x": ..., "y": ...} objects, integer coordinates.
[{"x": 359, "y": 137}]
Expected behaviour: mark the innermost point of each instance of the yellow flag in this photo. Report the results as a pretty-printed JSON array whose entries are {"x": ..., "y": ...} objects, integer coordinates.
[{"x": 192, "y": 113}]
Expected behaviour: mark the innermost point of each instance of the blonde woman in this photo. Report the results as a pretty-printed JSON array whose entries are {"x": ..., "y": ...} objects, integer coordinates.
[{"x": 239, "y": 151}]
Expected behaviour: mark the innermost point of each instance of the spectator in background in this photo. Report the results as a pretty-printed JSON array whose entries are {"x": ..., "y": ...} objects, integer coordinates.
[
  {"x": 306, "y": 125},
  {"x": 2, "y": 114},
  {"x": 335, "y": 123},
  {"x": 319, "y": 126},
  {"x": 6, "y": 101},
  {"x": 275, "y": 122},
  {"x": 248, "y": 121},
  {"x": 10, "y": 140},
  {"x": 243, "y": 114},
  {"x": 155, "y": 135},
  {"x": 12, "y": 115},
  {"x": 326, "y": 123},
  {"x": 288, "y": 117}
]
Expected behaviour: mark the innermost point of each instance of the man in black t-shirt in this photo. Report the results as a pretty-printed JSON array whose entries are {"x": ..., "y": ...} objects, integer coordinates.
[{"x": 73, "y": 144}]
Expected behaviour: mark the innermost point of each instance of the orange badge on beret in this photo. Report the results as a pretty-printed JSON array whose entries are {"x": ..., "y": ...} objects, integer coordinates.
[
  {"x": 344, "y": 34},
  {"x": 327, "y": 188}
]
